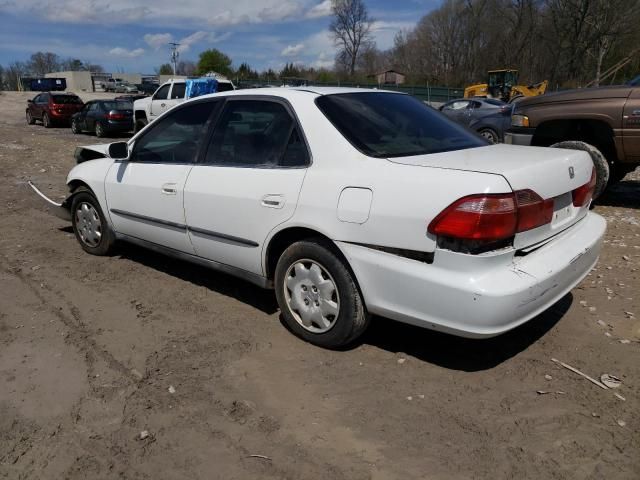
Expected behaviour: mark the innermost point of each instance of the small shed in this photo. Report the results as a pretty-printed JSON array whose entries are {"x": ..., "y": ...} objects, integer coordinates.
[{"x": 388, "y": 77}]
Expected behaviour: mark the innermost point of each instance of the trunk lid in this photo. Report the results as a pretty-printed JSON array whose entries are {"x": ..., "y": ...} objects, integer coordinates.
[{"x": 550, "y": 172}]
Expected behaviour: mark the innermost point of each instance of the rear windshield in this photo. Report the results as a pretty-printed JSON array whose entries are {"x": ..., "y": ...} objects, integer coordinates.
[
  {"x": 65, "y": 99},
  {"x": 394, "y": 125},
  {"x": 117, "y": 105},
  {"x": 224, "y": 87},
  {"x": 635, "y": 82}
]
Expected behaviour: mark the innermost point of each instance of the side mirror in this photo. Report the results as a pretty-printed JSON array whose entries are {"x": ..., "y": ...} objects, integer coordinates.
[
  {"x": 30, "y": 100},
  {"x": 118, "y": 150}
]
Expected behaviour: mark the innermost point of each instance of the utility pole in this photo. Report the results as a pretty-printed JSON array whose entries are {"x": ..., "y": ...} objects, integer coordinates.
[{"x": 175, "y": 54}]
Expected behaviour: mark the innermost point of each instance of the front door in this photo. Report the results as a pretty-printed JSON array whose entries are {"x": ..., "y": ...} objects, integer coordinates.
[
  {"x": 145, "y": 193},
  {"x": 159, "y": 102},
  {"x": 248, "y": 184},
  {"x": 631, "y": 126}
]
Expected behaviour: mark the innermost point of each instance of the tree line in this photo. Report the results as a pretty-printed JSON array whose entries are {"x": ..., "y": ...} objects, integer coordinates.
[
  {"x": 39, "y": 64},
  {"x": 568, "y": 42}
]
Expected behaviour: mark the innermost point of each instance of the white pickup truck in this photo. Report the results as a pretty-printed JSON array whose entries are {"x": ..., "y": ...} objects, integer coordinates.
[{"x": 166, "y": 96}]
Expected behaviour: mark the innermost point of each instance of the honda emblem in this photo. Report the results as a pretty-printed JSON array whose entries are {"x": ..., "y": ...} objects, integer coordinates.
[{"x": 572, "y": 172}]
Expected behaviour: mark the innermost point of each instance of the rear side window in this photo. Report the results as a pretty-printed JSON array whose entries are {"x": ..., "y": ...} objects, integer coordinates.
[
  {"x": 388, "y": 125},
  {"x": 259, "y": 134},
  {"x": 224, "y": 87},
  {"x": 177, "y": 92}
]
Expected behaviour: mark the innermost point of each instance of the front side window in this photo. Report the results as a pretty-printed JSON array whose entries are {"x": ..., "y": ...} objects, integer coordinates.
[
  {"x": 163, "y": 93},
  {"x": 388, "y": 125},
  {"x": 178, "y": 91},
  {"x": 255, "y": 133},
  {"x": 175, "y": 137}
]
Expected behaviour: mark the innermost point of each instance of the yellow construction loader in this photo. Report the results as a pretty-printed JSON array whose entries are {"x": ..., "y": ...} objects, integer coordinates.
[{"x": 503, "y": 84}]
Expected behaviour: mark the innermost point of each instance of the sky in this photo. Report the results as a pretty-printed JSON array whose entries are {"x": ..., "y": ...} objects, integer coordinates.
[{"x": 133, "y": 36}]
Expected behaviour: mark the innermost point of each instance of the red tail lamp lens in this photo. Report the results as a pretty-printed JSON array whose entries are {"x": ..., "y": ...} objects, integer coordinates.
[
  {"x": 533, "y": 211},
  {"x": 583, "y": 194},
  {"x": 478, "y": 217}
]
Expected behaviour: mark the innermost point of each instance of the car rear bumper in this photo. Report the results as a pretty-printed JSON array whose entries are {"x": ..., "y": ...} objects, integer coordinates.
[
  {"x": 512, "y": 138},
  {"x": 113, "y": 126},
  {"x": 476, "y": 295}
]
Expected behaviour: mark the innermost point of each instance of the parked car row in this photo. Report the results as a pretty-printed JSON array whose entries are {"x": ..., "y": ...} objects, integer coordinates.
[{"x": 96, "y": 116}]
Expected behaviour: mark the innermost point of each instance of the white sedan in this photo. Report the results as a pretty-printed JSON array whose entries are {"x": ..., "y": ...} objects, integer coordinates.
[{"x": 347, "y": 202}]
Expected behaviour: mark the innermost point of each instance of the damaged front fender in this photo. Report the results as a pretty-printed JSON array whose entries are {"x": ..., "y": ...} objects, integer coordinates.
[{"x": 60, "y": 210}]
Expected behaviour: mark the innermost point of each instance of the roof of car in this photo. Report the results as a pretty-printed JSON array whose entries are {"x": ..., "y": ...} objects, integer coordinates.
[{"x": 292, "y": 92}]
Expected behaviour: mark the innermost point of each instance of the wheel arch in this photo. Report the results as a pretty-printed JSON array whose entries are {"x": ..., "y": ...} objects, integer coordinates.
[
  {"x": 596, "y": 132},
  {"x": 287, "y": 236}
]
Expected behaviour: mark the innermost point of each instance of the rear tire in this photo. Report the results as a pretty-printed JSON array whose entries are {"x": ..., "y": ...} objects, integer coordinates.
[
  {"x": 599, "y": 162},
  {"x": 30, "y": 119},
  {"x": 46, "y": 121},
  {"x": 318, "y": 296},
  {"x": 489, "y": 135},
  {"x": 99, "y": 130},
  {"x": 90, "y": 227},
  {"x": 139, "y": 125}
]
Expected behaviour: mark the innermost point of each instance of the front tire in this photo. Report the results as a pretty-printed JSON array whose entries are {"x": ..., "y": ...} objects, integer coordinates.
[
  {"x": 90, "y": 226},
  {"x": 74, "y": 127},
  {"x": 599, "y": 162},
  {"x": 318, "y": 296},
  {"x": 140, "y": 124},
  {"x": 30, "y": 119}
]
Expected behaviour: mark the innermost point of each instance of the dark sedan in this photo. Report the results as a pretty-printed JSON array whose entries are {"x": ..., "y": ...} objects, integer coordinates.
[
  {"x": 103, "y": 117},
  {"x": 471, "y": 111}
]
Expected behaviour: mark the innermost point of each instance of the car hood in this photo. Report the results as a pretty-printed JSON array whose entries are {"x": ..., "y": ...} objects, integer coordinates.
[
  {"x": 619, "y": 91},
  {"x": 91, "y": 152},
  {"x": 142, "y": 103}
]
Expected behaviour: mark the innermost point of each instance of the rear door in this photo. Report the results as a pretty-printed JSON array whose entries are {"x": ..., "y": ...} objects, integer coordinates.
[
  {"x": 249, "y": 182},
  {"x": 145, "y": 193}
]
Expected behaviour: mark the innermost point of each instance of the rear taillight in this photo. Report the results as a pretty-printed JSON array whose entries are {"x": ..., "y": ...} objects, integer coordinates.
[
  {"x": 533, "y": 211},
  {"x": 583, "y": 195},
  {"x": 478, "y": 217},
  {"x": 492, "y": 217},
  {"x": 116, "y": 116}
]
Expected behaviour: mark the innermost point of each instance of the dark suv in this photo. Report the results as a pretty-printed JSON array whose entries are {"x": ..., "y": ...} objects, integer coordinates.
[{"x": 53, "y": 108}]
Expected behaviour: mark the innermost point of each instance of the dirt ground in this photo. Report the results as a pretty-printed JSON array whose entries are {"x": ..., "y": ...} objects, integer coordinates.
[{"x": 94, "y": 351}]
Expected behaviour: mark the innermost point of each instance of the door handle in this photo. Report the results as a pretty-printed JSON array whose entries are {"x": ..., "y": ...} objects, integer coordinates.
[
  {"x": 273, "y": 201},
  {"x": 169, "y": 189}
]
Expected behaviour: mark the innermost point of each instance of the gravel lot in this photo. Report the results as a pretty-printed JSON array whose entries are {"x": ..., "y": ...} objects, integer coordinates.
[{"x": 94, "y": 351}]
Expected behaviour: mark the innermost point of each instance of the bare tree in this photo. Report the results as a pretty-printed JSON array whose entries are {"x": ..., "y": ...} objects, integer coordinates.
[
  {"x": 12, "y": 75},
  {"x": 351, "y": 28},
  {"x": 44, "y": 62}
]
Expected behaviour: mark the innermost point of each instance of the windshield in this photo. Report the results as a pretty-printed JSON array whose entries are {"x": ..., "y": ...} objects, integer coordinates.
[
  {"x": 635, "y": 82},
  {"x": 394, "y": 125},
  {"x": 65, "y": 99}
]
